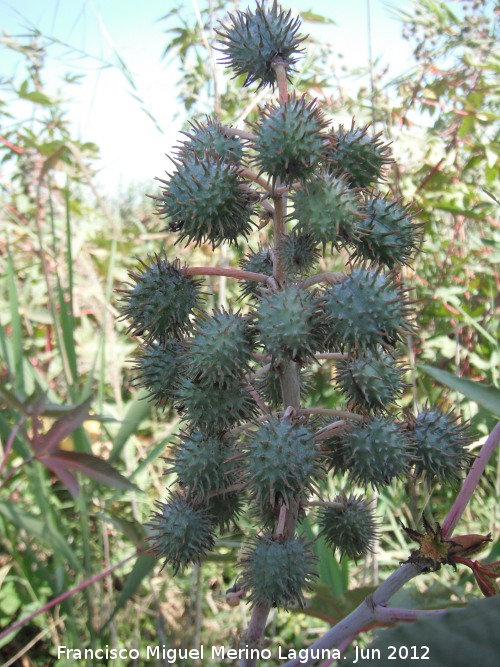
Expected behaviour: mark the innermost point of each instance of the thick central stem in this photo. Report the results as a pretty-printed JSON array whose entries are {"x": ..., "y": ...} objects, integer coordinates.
[{"x": 290, "y": 386}]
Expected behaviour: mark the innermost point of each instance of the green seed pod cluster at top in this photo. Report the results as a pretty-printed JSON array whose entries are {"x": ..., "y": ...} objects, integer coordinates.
[{"x": 237, "y": 375}]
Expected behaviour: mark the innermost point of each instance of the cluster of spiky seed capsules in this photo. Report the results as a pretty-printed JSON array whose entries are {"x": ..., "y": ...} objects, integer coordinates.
[{"x": 233, "y": 374}]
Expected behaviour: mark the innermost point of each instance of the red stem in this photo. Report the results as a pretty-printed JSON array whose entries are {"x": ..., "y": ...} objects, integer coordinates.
[{"x": 470, "y": 483}]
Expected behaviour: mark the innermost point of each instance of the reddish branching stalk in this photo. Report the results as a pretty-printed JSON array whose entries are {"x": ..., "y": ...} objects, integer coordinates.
[
  {"x": 471, "y": 482},
  {"x": 374, "y": 608},
  {"x": 229, "y": 272}
]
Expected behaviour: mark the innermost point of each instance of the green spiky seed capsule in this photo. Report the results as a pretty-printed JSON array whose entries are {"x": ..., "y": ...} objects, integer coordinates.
[
  {"x": 225, "y": 509},
  {"x": 288, "y": 323},
  {"x": 158, "y": 369},
  {"x": 209, "y": 137},
  {"x": 440, "y": 445},
  {"x": 297, "y": 253},
  {"x": 253, "y": 42},
  {"x": 365, "y": 311},
  {"x": 256, "y": 262},
  {"x": 348, "y": 524},
  {"x": 386, "y": 232},
  {"x": 205, "y": 201},
  {"x": 215, "y": 408},
  {"x": 181, "y": 534},
  {"x": 376, "y": 452},
  {"x": 356, "y": 154},
  {"x": 289, "y": 140},
  {"x": 161, "y": 302},
  {"x": 220, "y": 348},
  {"x": 334, "y": 454},
  {"x": 327, "y": 209},
  {"x": 277, "y": 573},
  {"x": 372, "y": 381},
  {"x": 199, "y": 461},
  {"x": 281, "y": 462}
]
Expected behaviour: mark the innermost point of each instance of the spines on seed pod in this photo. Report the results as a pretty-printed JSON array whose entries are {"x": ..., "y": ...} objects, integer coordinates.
[
  {"x": 371, "y": 380},
  {"x": 288, "y": 323},
  {"x": 440, "y": 445},
  {"x": 253, "y": 41},
  {"x": 298, "y": 253},
  {"x": 158, "y": 369},
  {"x": 376, "y": 452},
  {"x": 209, "y": 137},
  {"x": 220, "y": 348},
  {"x": 200, "y": 462},
  {"x": 366, "y": 311},
  {"x": 260, "y": 261},
  {"x": 280, "y": 463},
  {"x": 216, "y": 407},
  {"x": 358, "y": 155},
  {"x": 205, "y": 201},
  {"x": 348, "y": 525},
  {"x": 297, "y": 128},
  {"x": 181, "y": 533},
  {"x": 161, "y": 302},
  {"x": 327, "y": 210},
  {"x": 386, "y": 232},
  {"x": 276, "y": 572}
]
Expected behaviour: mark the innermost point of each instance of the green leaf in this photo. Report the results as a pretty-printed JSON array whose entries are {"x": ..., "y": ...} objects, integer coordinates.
[
  {"x": 312, "y": 17},
  {"x": 138, "y": 410},
  {"x": 487, "y": 396},
  {"x": 89, "y": 465},
  {"x": 39, "y": 529},
  {"x": 460, "y": 638},
  {"x": 64, "y": 426}
]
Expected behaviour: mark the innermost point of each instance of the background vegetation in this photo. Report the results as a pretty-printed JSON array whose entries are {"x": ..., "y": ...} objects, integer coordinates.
[{"x": 81, "y": 463}]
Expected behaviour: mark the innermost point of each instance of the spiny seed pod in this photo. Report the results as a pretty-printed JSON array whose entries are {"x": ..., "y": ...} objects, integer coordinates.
[
  {"x": 199, "y": 461},
  {"x": 225, "y": 509},
  {"x": 281, "y": 462},
  {"x": 333, "y": 452},
  {"x": 205, "y": 201},
  {"x": 161, "y": 302},
  {"x": 297, "y": 253},
  {"x": 373, "y": 381},
  {"x": 257, "y": 262},
  {"x": 269, "y": 385},
  {"x": 376, "y": 452},
  {"x": 277, "y": 573},
  {"x": 289, "y": 140},
  {"x": 220, "y": 348},
  {"x": 386, "y": 233},
  {"x": 348, "y": 524},
  {"x": 158, "y": 369},
  {"x": 365, "y": 311},
  {"x": 440, "y": 445},
  {"x": 253, "y": 42},
  {"x": 358, "y": 155},
  {"x": 288, "y": 323},
  {"x": 327, "y": 209},
  {"x": 216, "y": 408},
  {"x": 209, "y": 137},
  {"x": 182, "y": 534}
]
